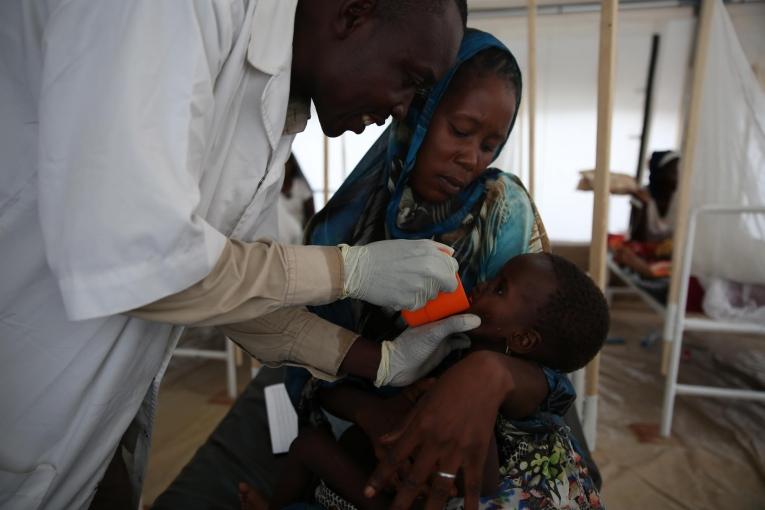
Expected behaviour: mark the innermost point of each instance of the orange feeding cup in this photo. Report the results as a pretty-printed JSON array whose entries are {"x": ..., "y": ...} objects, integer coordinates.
[{"x": 443, "y": 305}]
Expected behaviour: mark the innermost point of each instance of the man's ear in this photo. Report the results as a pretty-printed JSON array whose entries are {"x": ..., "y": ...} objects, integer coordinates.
[
  {"x": 351, "y": 14},
  {"x": 524, "y": 341}
]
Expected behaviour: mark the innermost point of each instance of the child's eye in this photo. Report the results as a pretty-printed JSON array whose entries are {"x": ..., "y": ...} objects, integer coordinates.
[
  {"x": 500, "y": 290},
  {"x": 489, "y": 149}
]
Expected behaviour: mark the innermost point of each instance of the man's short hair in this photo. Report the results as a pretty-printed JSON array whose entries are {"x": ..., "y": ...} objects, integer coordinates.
[
  {"x": 397, "y": 9},
  {"x": 574, "y": 322}
]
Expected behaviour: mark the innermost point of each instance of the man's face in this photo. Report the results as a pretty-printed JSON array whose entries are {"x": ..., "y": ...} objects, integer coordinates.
[
  {"x": 469, "y": 125},
  {"x": 510, "y": 301},
  {"x": 375, "y": 71}
]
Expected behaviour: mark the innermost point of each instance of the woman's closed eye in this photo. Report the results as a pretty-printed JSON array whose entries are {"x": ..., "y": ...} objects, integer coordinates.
[{"x": 459, "y": 133}]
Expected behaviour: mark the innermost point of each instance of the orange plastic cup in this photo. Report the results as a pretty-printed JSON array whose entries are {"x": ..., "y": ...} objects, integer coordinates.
[{"x": 443, "y": 305}]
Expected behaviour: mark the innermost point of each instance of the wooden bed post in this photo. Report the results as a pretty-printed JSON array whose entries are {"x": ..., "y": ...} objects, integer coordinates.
[
  {"x": 686, "y": 173},
  {"x": 531, "y": 94},
  {"x": 606, "y": 64}
]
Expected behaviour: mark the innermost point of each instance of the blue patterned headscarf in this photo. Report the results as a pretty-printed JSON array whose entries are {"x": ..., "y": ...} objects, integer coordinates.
[
  {"x": 487, "y": 223},
  {"x": 389, "y": 163}
]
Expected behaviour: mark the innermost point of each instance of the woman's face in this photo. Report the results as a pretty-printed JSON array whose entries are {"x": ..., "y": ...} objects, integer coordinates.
[{"x": 467, "y": 128}]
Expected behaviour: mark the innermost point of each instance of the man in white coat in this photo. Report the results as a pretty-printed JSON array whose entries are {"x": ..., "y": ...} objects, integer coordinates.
[{"x": 143, "y": 144}]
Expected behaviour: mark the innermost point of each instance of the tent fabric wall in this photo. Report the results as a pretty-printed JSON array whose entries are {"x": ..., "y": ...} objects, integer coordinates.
[
  {"x": 566, "y": 101},
  {"x": 566, "y": 105}
]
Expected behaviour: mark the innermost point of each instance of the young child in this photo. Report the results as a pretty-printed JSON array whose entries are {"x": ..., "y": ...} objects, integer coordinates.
[{"x": 540, "y": 307}]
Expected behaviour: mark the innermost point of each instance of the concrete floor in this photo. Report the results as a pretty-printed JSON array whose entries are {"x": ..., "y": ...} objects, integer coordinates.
[{"x": 714, "y": 459}]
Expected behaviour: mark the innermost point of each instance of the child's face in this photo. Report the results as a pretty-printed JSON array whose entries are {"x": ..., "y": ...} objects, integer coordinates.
[
  {"x": 509, "y": 302},
  {"x": 468, "y": 126}
]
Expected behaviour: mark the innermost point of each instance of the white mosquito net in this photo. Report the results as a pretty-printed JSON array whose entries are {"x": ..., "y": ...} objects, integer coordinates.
[{"x": 729, "y": 169}]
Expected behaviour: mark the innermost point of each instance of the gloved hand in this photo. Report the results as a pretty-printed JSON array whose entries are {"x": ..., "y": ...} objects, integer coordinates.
[
  {"x": 417, "y": 351},
  {"x": 399, "y": 273}
]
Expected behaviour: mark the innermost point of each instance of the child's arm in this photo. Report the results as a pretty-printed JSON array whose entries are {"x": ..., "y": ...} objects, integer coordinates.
[
  {"x": 375, "y": 415},
  {"x": 529, "y": 388}
]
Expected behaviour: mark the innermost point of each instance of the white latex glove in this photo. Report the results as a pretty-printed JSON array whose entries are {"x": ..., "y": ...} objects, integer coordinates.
[
  {"x": 400, "y": 273},
  {"x": 417, "y": 351}
]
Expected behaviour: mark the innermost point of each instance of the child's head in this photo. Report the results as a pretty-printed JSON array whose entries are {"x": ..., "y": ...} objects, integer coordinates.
[
  {"x": 470, "y": 124},
  {"x": 541, "y": 307}
]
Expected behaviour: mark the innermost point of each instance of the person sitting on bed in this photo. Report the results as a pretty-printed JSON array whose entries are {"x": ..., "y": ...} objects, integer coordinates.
[
  {"x": 656, "y": 216},
  {"x": 541, "y": 308},
  {"x": 649, "y": 249}
]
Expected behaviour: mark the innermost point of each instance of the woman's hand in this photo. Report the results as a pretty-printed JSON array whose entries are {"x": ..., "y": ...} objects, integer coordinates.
[
  {"x": 386, "y": 415},
  {"x": 449, "y": 430},
  {"x": 382, "y": 418}
]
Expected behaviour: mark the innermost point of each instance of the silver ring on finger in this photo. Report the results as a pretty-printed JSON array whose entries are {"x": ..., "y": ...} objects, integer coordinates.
[{"x": 442, "y": 474}]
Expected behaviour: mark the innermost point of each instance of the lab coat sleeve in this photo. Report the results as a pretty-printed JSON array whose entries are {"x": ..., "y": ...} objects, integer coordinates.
[
  {"x": 251, "y": 280},
  {"x": 297, "y": 337},
  {"x": 126, "y": 103}
]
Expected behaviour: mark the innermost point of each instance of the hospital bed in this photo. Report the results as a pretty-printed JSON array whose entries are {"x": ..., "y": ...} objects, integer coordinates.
[{"x": 677, "y": 321}]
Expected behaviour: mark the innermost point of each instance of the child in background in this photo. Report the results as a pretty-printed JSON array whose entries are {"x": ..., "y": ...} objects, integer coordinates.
[{"x": 541, "y": 308}]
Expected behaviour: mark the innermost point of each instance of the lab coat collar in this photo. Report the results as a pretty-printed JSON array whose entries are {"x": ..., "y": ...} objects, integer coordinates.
[
  {"x": 270, "y": 51},
  {"x": 273, "y": 24}
]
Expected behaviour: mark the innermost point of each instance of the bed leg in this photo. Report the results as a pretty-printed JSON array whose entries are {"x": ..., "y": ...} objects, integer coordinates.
[
  {"x": 591, "y": 421},
  {"x": 230, "y": 369},
  {"x": 577, "y": 379},
  {"x": 668, "y": 335}
]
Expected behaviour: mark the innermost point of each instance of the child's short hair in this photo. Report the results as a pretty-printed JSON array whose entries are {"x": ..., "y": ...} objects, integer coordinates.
[{"x": 574, "y": 321}]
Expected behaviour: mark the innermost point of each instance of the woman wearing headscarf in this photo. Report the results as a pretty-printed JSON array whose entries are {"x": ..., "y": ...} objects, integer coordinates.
[{"x": 487, "y": 222}]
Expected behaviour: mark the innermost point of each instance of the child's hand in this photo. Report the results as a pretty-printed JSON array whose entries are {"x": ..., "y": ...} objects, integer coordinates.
[
  {"x": 382, "y": 418},
  {"x": 413, "y": 392}
]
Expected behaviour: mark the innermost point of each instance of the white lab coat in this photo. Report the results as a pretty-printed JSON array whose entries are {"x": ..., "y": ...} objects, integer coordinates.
[
  {"x": 134, "y": 136},
  {"x": 290, "y": 229}
]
